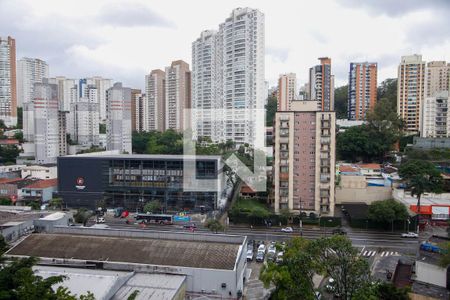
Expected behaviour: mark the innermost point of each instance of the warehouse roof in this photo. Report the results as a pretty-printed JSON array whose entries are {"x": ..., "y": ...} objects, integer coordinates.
[{"x": 152, "y": 251}]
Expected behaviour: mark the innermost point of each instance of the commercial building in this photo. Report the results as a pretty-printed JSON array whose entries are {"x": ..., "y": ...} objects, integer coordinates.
[
  {"x": 435, "y": 117},
  {"x": 46, "y": 171},
  {"x": 411, "y": 91},
  {"x": 8, "y": 81},
  {"x": 50, "y": 124},
  {"x": 321, "y": 85},
  {"x": 155, "y": 106},
  {"x": 437, "y": 77},
  {"x": 197, "y": 265},
  {"x": 178, "y": 96},
  {"x": 132, "y": 180},
  {"x": 362, "y": 89},
  {"x": 118, "y": 122},
  {"x": 235, "y": 62},
  {"x": 29, "y": 72},
  {"x": 304, "y": 162},
  {"x": 287, "y": 91}
]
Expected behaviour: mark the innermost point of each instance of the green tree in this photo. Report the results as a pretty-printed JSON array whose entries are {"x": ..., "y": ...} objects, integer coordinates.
[
  {"x": 387, "y": 211},
  {"x": 5, "y": 201},
  {"x": 421, "y": 177},
  {"x": 19, "y": 118},
  {"x": 341, "y": 102},
  {"x": 152, "y": 206},
  {"x": 384, "y": 121},
  {"x": 102, "y": 128},
  {"x": 133, "y": 295},
  {"x": 271, "y": 109},
  {"x": 9, "y": 153},
  {"x": 3, "y": 245},
  {"x": 388, "y": 91},
  {"x": 19, "y": 136},
  {"x": 18, "y": 281},
  {"x": 444, "y": 260},
  {"x": 293, "y": 277},
  {"x": 82, "y": 216},
  {"x": 214, "y": 225},
  {"x": 55, "y": 203},
  {"x": 335, "y": 257}
]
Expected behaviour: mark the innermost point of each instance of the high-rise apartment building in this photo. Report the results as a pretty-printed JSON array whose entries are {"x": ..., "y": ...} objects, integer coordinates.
[
  {"x": 411, "y": 91},
  {"x": 49, "y": 124},
  {"x": 67, "y": 91},
  {"x": 204, "y": 88},
  {"x": 362, "y": 89},
  {"x": 102, "y": 84},
  {"x": 134, "y": 93},
  {"x": 155, "y": 109},
  {"x": 8, "y": 81},
  {"x": 435, "y": 118},
  {"x": 140, "y": 112},
  {"x": 304, "y": 159},
  {"x": 178, "y": 96},
  {"x": 228, "y": 76},
  {"x": 84, "y": 117},
  {"x": 321, "y": 84},
  {"x": 438, "y": 77},
  {"x": 287, "y": 91},
  {"x": 118, "y": 118},
  {"x": 29, "y": 72}
]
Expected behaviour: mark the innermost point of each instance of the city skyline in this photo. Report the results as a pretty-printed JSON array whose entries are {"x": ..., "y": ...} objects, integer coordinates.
[{"x": 100, "y": 50}]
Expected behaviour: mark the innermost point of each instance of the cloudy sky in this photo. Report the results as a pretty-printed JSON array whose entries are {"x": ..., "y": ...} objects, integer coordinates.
[{"x": 124, "y": 40}]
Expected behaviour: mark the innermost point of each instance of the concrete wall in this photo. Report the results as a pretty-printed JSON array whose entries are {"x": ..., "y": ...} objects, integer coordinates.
[
  {"x": 431, "y": 274},
  {"x": 354, "y": 189},
  {"x": 14, "y": 232}
]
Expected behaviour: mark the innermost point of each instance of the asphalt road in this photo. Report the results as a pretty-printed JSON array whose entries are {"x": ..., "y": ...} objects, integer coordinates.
[{"x": 370, "y": 240}]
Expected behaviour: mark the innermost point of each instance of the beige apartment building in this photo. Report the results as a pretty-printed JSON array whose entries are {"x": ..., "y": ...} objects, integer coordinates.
[
  {"x": 437, "y": 77},
  {"x": 435, "y": 122},
  {"x": 411, "y": 91},
  {"x": 287, "y": 91},
  {"x": 304, "y": 159},
  {"x": 178, "y": 95},
  {"x": 154, "y": 117}
]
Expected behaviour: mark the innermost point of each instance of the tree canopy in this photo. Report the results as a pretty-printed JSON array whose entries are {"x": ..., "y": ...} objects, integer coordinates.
[
  {"x": 152, "y": 206},
  {"x": 271, "y": 109},
  {"x": 9, "y": 153},
  {"x": 333, "y": 256},
  {"x": 421, "y": 176},
  {"x": 387, "y": 211},
  {"x": 341, "y": 102},
  {"x": 214, "y": 225}
]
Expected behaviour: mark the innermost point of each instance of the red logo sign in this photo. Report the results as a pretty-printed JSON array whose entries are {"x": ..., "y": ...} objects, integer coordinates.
[{"x": 80, "y": 183}]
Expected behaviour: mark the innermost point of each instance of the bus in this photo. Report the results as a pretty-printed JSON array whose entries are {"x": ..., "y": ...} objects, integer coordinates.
[{"x": 154, "y": 219}]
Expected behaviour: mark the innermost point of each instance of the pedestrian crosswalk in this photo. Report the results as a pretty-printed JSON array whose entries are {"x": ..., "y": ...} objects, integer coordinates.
[{"x": 369, "y": 253}]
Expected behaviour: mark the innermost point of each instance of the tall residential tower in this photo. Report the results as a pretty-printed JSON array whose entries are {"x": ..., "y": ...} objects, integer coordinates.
[
  {"x": 411, "y": 91},
  {"x": 287, "y": 91},
  {"x": 362, "y": 89},
  {"x": 118, "y": 118},
  {"x": 321, "y": 84},
  {"x": 8, "y": 80}
]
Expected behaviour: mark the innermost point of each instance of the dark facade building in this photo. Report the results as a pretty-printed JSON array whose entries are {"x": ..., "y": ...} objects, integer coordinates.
[{"x": 130, "y": 181}]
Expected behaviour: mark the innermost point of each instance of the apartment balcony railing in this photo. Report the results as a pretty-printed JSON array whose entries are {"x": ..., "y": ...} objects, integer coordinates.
[
  {"x": 325, "y": 140},
  {"x": 284, "y": 176}
]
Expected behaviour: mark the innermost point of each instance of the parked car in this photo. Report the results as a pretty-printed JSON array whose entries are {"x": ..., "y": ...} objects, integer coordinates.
[
  {"x": 410, "y": 235},
  {"x": 339, "y": 231},
  {"x": 272, "y": 249},
  {"x": 279, "y": 259},
  {"x": 250, "y": 255},
  {"x": 287, "y": 229},
  {"x": 259, "y": 243},
  {"x": 262, "y": 248},
  {"x": 318, "y": 295},
  {"x": 260, "y": 256}
]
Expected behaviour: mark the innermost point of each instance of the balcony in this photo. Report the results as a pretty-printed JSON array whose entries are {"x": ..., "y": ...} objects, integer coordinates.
[
  {"x": 324, "y": 178},
  {"x": 284, "y": 124},
  {"x": 324, "y": 193},
  {"x": 325, "y": 140},
  {"x": 324, "y": 163},
  {"x": 284, "y": 162},
  {"x": 326, "y": 124}
]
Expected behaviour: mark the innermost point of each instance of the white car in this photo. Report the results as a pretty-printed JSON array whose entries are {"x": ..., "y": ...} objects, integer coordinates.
[
  {"x": 287, "y": 229},
  {"x": 410, "y": 235},
  {"x": 262, "y": 248},
  {"x": 250, "y": 255}
]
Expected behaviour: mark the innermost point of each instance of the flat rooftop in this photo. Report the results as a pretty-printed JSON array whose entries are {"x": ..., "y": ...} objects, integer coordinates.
[
  {"x": 152, "y": 251},
  {"x": 108, "y": 154}
]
